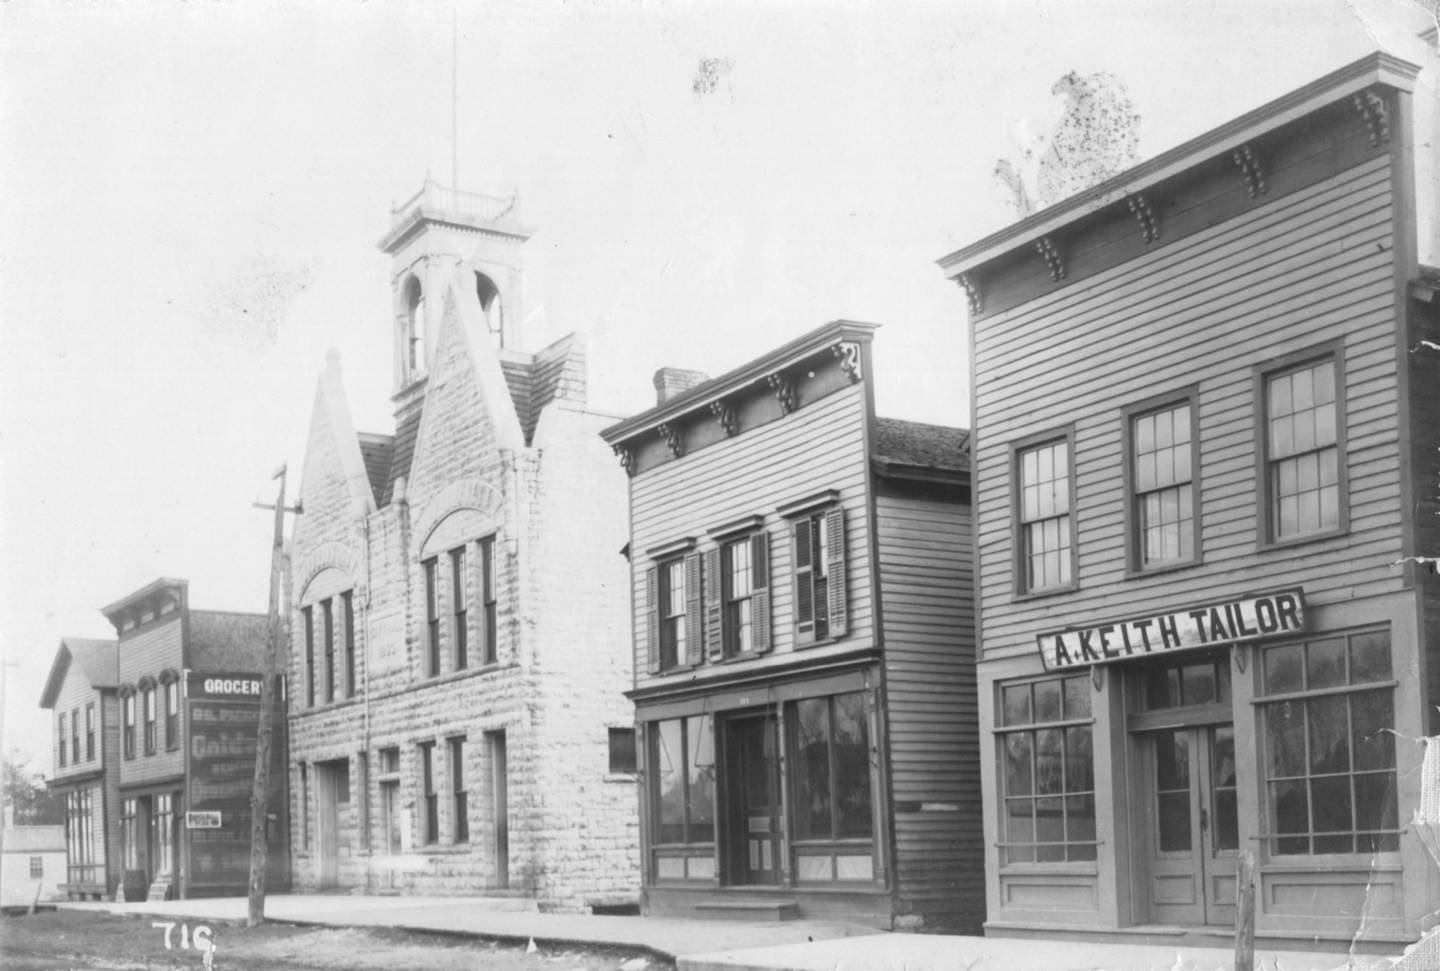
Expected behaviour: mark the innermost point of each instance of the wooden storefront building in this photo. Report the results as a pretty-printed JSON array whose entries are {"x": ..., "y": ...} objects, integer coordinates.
[
  {"x": 1207, "y": 398},
  {"x": 804, "y": 656}
]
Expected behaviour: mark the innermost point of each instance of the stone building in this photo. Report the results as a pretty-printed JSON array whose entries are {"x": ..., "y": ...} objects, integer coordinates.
[
  {"x": 459, "y": 646},
  {"x": 1207, "y": 449},
  {"x": 804, "y": 646}
]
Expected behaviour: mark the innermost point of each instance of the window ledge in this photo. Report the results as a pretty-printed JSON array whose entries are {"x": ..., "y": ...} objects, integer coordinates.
[
  {"x": 1264, "y": 545},
  {"x": 622, "y": 777},
  {"x": 1022, "y": 595},
  {"x": 1139, "y": 573}
]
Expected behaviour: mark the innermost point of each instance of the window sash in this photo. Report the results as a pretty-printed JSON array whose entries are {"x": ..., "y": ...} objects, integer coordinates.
[
  {"x": 128, "y": 731},
  {"x": 1302, "y": 448},
  {"x": 89, "y": 733},
  {"x": 432, "y": 798},
  {"x": 673, "y": 632},
  {"x": 459, "y": 588},
  {"x": 432, "y": 619},
  {"x": 149, "y": 721},
  {"x": 488, "y": 599},
  {"x": 736, "y": 589},
  {"x": 308, "y": 614},
  {"x": 348, "y": 600},
  {"x": 459, "y": 796},
  {"x": 1043, "y": 519},
  {"x": 1045, "y": 751},
  {"x": 683, "y": 794},
  {"x": 327, "y": 614}
]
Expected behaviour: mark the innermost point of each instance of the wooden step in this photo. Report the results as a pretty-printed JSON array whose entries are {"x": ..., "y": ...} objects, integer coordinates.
[{"x": 762, "y": 910}]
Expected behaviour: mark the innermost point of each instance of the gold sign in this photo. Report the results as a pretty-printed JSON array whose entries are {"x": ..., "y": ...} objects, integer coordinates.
[{"x": 1210, "y": 625}]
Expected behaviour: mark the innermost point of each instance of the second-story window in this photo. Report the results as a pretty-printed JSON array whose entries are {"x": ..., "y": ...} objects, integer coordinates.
[
  {"x": 490, "y": 650},
  {"x": 172, "y": 714},
  {"x": 673, "y": 635},
  {"x": 743, "y": 568},
  {"x": 459, "y": 602},
  {"x": 327, "y": 631},
  {"x": 63, "y": 746},
  {"x": 1303, "y": 450},
  {"x": 127, "y": 731},
  {"x": 347, "y": 600},
  {"x": 308, "y": 615},
  {"x": 432, "y": 618},
  {"x": 90, "y": 733},
  {"x": 1045, "y": 527},
  {"x": 75, "y": 735},
  {"x": 1162, "y": 482},
  {"x": 819, "y": 558},
  {"x": 150, "y": 721}
]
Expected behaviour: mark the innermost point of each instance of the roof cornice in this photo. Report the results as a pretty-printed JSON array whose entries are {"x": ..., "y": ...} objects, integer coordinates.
[
  {"x": 149, "y": 590},
  {"x": 703, "y": 394},
  {"x": 1376, "y": 68}
]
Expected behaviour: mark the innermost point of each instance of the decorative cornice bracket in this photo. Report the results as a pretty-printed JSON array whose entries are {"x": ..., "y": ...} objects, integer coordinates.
[
  {"x": 848, "y": 353},
  {"x": 784, "y": 388},
  {"x": 1376, "y": 116},
  {"x": 1145, "y": 213},
  {"x": 1250, "y": 168},
  {"x": 627, "y": 459},
  {"x": 674, "y": 439},
  {"x": 724, "y": 413},
  {"x": 1047, "y": 248},
  {"x": 972, "y": 291}
]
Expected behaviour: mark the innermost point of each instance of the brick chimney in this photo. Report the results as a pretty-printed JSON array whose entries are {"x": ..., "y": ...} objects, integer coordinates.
[{"x": 673, "y": 381}]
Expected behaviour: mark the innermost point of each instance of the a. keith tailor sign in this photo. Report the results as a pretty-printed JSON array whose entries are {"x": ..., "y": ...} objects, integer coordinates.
[{"x": 1227, "y": 622}]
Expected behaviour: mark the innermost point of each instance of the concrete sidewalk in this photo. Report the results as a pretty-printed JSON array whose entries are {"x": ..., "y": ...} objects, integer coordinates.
[
  {"x": 499, "y": 918},
  {"x": 728, "y": 945},
  {"x": 935, "y": 952}
]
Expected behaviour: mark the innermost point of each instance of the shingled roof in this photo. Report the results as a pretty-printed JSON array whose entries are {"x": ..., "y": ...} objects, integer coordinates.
[
  {"x": 225, "y": 641},
  {"x": 95, "y": 659},
  {"x": 915, "y": 445}
]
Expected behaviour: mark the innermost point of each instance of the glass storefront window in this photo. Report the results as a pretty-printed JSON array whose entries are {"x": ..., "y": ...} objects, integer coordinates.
[
  {"x": 683, "y": 754},
  {"x": 1047, "y": 776},
  {"x": 1328, "y": 714},
  {"x": 832, "y": 779}
]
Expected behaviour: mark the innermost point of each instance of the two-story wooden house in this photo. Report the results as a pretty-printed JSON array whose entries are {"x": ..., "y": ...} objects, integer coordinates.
[
  {"x": 460, "y": 652},
  {"x": 81, "y": 694},
  {"x": 188, "y": 712},
  {"x": 1207, "y": 410},
  {"x": 804, "y": 666}
]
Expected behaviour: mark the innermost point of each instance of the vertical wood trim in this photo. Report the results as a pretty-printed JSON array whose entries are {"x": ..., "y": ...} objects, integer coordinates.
[
  {"x": 760, "y": 592},
  {"x": 837, "y": 604},
  {"x": 652, "y": 620},
  {"x": 714, "y": 641},
  {"x": 694, "y": 607}
]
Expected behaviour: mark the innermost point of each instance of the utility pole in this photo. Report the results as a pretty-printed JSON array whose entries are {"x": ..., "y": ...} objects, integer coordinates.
[{"x": 260, "y": 796}]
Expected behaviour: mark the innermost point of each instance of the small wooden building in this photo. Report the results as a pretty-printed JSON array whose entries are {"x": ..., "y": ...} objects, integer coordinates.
[
  {"x": 804, "y": 681},
  {"x": 81, "y": 695},
  {"x": 1205, "y": 395}
]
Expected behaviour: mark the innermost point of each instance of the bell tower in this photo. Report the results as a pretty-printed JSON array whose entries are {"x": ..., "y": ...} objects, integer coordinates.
[{"x": 442, "y": 238}]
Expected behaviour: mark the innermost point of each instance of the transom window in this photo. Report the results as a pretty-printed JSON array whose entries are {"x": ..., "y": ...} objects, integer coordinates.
[
  {"x": 1047, "y": 771},
  {"x": 1302, "y": 453},
  {"x": 1329, "y": 714},
  {"x": 1162, "y": 484},
  {"x": 1044, "y": 508}
]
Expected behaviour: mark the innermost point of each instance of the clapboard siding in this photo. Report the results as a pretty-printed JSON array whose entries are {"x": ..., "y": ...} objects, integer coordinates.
[
  {"x": 146, "y": 653},
  {"x": 74, "y": 694},
  {"x": 927, "y": 595},
  {"x": 821, "y": 446},
  {"x": 1310, "y": 268}
]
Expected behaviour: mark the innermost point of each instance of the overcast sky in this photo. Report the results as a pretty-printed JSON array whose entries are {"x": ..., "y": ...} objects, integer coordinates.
[{"x": 190, "y": 197}]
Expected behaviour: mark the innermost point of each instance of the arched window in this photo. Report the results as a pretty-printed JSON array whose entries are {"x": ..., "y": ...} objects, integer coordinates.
[
  {"x": 490, "y": 304},
  {"x": 414, "y": 328}
]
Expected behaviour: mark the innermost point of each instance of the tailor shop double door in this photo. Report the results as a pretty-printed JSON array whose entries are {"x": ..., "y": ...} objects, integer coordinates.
[{"x": 1188, "y": 845}]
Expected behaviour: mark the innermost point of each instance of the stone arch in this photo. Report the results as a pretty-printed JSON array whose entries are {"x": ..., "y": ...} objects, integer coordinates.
[
  {"x": 464, "y": 494},
  {"x": 328, "y": 556}
]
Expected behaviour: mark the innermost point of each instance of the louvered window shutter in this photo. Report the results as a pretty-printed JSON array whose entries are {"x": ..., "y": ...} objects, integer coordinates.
[
  {"x": 835, "y": 569},
  {"x": 652, "y": 620},
  {"x": 804, "y": 582},
  {"x": 714, "y": 641},
  {"x": 760, "y": 591},
  {"x": 694, "y": 611}
]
